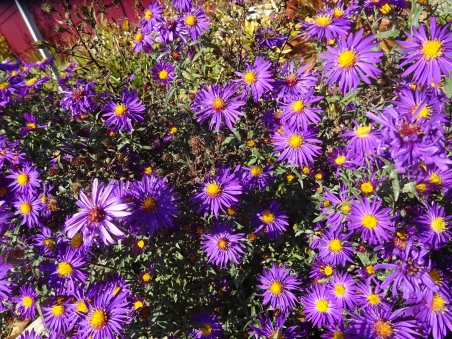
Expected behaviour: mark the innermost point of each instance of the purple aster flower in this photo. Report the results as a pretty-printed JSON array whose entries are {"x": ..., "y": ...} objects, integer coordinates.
[
  {"x": 269, "y": 38},
  {"x": 221, "y": 246},
  {"x": 182, "y": 5},
  {"x": 278, "y": 285},
  {"x": 45, "y": 240},
  {"x": 256, "y": 177},
  {"x": 368, "y": 184},
  {"x": 208, "y": 326},
  {"x": 5, "y": 285},
  {"x": 369, "y": 296},
  {"x": 272, "y": 220},
  {"x": 325, "y": 27},
  {"x": 107, "y": 315},
  {"x": 410, "y": 275},
  {"x": 79, "y": 100},
  {"x": 398, "y": 243},
  {"x": 433, "y": 226},
  {"x": 383, "y": 324},
  {"x": 269, "y": 330},
  {"x": 26, "y": 302},
  {"x": 412, "y": 141},
  {"x": 119, "y": 115},
  {"x": 66, "y": 272},
  {"x": 338, "y": 11},
  {"x": 351, "y": 61},
  {"x": 436, "y": 178},
  {"x": 197, "y": 23},
  {"x": 170, "y": 30},
  {"x": 154, "y": 205},
  {"x": 218, "y": 103},
  {"x": 293, "y": 81},
  {"x": 30, "y": 124},
  {"x": 218, "y": 192},
  {"x": 257, "y": 78},
  {"x": 335, "y": 249},
  {"x": 29, "y": 335},
  {"x": 25, "y": 179},
  {"x": 342, "y": 287},
  {"x": 320, "y": 307},
  {"x": 163, "y": 72},
  {"x": 372, "y": 222},
  {"x": 297, "y": 146},
  {"x": 335, "y": 331},
  {"x": 59, "y": 315},
  {"x": 28, "y": 207},
  {"x": 321, "y": 270},
  {"x": 98, "y": 214},
  {"x": 32, "y": 83},
  {"x": 10, "y": 86},
  {"x": 435, "y": 316},
  {"x": 429, "y": 55},
  {"x": 422, "y": 103},
  {"x": 152, "y": 15},
  {"x": 341, "y": 158},
  {"x": 298, "y": 111},
  {"x": 142, "y": 42},
  {"x": 337, "y": 206}
]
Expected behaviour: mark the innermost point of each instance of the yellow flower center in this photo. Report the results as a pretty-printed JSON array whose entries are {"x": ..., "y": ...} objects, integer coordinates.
[
  {"x": 120, "y": 110},
  {"x": 276, "y": 287},
  {"x": 139, "y": 37},
  {"x": 338, "y": 335},
  {"x": 339, "y": 290},
  {"x": 206, "y": 329},
  {"x": 49, "y": 243},
  {"x": 98, "y": 319},
  {"x": 322, "y": 21},
  {"x": 190, "y": 20},
  {"x": 373, "y": 299},
  {"x": 385, "y": 9},
  {"x": 137, "y": 304},
  {"x": 295, "y": 141},
  {"x": 230, "y": 211},
  {"x": 4, "y": 85},
  {"x": 268, "y": 217},
  {"x": 58, "y": 310},
  {"x": 256, "y": 171},
  {"x": 435, "y": 179},
  {"x": 367, "y": 187},
  {"x": 363, "y": 131},
  {"x": 218, "y": 104},
  {"x": 424, "y": 113},
  {"x": 340, "y": 159},
  {"x": 223, "y": 244},
  {"x": 370, "y": 269},
  {"x": 25, "y": 208},
  {"x": 173, "y": 130},
  {"x": 213, "y": 190},
  {"x": 23, "y": 179},
  {"x": 250, "y": 143},
  {"x": 383, "y": 329},
  {"x": 322, "y": 305},
  {"x": 338, "y": 13},
  {"x": 432, "y": 49},
  {"x": 290, "y": 177},
  {"x": 148, "y": 170},
  {"x": 64, "y": 269},
  {"x": 369, "y": 221},
  {"x": 438, "y": 304},
  {"x": 401, "y": 233},
  {"x": 328, "y": 270},
  {"x": 77, "y": 240},
  {"x": 345, "y": 208},
  {"x": 438, "y": 224},
  {"x": 148, "y": 14},
  {"x": 30, "y": 82},
  {"x": 81, "y": 307},
  {"x": 163, "y": 74},
  {"x": 298, "y": 106},
  {"x": 306, "y": 170},
  {"x": 250, "y": 78},
  {"x": 149, "y": 204},
  {"x": 335, "y": 245},
  {"x": 421, "y": 187},
  {"x": 116, "y": 290},
  {"x": 27, "y": 301},
  {"x": 141, "y": 243},
  {"x": 347, "y": 59},
  {"x": 146, "y": 277}
]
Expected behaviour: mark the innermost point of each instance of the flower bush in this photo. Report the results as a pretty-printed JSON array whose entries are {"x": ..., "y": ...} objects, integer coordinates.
[{"x": 234, "y": 169}]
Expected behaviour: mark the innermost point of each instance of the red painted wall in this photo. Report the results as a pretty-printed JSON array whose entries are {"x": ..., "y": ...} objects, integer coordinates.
[{"x": 16, "y": 33}]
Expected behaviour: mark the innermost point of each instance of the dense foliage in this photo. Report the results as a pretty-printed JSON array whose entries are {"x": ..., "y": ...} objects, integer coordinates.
[{"x": 243, "y": 169}]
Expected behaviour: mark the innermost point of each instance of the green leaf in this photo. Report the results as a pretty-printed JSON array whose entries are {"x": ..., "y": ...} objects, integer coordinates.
[
  {"x": 388, "y": 34},
  {"x": 448, "y": 86}
]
